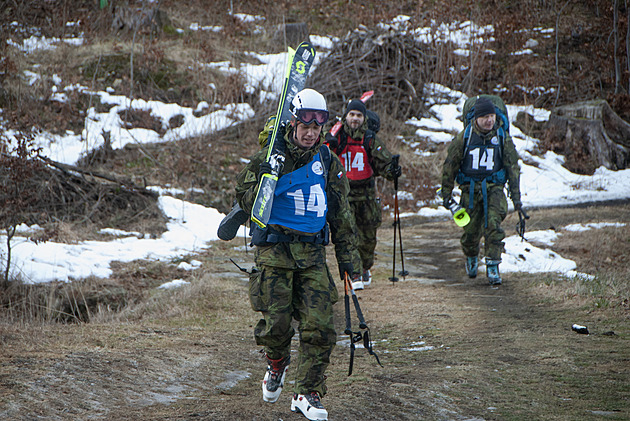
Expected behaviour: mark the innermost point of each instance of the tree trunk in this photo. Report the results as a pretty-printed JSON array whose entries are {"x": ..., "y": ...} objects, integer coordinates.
[
  {"x": 589, "y": 135},
  {"x": 291, "y": 34}
]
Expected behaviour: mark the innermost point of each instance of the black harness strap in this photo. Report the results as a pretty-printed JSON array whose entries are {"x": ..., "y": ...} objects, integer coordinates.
[
  {"x": 359, "y": 335},
  {"x": 367, "y": 143}
]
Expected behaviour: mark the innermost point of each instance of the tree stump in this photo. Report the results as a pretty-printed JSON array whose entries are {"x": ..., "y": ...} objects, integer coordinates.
[
  {"x": 590, "y": 135},
  {"x": 291, "y": 33},
  {"x": 142, "y": 19}
]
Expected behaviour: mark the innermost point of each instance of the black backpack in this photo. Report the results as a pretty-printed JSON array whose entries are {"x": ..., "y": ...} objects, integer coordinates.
[{"x": 374, "y": 121}]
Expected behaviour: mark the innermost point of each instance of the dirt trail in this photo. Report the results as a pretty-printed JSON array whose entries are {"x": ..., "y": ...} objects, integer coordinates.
[{"x": 452, "y": 349}]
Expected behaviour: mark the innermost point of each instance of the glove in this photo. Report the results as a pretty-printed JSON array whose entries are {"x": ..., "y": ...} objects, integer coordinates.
[
  {"x": 345, "y": 268},
  {"x": 395, "y": 171},
  {"x": 265, "y": 168},
  {"x": 518, "y": 206},
  {"x": 282, "y": 129}
]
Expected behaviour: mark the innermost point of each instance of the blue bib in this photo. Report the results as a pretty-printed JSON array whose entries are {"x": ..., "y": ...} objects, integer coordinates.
[{"x": 300, "y": 200}]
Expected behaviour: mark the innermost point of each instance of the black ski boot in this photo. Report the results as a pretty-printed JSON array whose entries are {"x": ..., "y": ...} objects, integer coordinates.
[{"x": 231, "y": 223}]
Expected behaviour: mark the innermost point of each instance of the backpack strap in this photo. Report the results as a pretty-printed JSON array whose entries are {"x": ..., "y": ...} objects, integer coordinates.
[
  {"x": 467, "y": 134},
  {"x": 342, "y": 142},
  {"x": 324, "y": 153},
  {"x": 368, "y": 137}
]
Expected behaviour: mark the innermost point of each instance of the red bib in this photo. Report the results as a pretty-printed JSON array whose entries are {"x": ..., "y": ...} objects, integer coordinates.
[{"x": 355, "y": 160}]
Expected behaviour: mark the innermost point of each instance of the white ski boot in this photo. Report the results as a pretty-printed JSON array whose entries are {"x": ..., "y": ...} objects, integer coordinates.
[{"x": 310, "y": 406}]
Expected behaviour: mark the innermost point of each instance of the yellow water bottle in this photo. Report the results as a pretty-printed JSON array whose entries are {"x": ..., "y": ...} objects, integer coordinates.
[{"x": 460, "y": 216}]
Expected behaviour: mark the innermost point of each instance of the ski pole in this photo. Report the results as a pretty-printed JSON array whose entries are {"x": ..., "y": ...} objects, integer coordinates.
[
  {"x": 346, "y": 302},
  {"x": 357, "y": 308},
  {"x": 359, "y": 335},
  {"x": 403, "y": 272},
  {"x": 397, "y": 229},
  {"x": 393, "y": 278}
]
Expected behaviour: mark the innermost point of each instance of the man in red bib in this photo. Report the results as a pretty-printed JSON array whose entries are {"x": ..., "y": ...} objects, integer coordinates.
[{"x": 364, "y": 156}]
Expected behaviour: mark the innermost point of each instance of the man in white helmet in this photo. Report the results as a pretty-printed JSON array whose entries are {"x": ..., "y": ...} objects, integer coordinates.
[{"x": 292, "y": 280}]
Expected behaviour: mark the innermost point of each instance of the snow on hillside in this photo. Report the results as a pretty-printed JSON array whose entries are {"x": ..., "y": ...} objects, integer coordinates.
[{"x": 193, "y": 227}]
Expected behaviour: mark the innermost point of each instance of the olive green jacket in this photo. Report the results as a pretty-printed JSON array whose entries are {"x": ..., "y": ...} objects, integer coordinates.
[
  {"x": 339, "y": 216},
  {"x": 455, "y": 156}
]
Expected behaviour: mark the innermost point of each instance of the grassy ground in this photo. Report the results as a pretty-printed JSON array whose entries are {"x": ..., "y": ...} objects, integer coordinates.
[
  {"x": 505, "y": 353},
  {"x": 135, "y": 352}
]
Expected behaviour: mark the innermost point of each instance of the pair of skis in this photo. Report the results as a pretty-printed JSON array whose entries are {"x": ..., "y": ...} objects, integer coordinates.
[{"x": 299, "y": 64}]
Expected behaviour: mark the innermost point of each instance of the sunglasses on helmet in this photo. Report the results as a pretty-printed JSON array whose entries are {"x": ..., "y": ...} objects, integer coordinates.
[{"x": 307, "y": 116}]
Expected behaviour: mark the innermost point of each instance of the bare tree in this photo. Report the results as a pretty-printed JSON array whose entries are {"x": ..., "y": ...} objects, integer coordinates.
[
  {"x": 10, "y": 230},
  {"x": 628, "y": 43},
  {"x": 616, "y": 46},
  {"x": 558, "y": 14},
  {"x": 15, "y": 199}
]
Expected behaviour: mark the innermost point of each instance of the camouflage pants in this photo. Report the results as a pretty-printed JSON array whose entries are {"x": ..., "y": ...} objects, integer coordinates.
[
  {"x": 493, "y": 233},
  {"x": 306, "y": 295},
  {"x": 367, "y": 216}
]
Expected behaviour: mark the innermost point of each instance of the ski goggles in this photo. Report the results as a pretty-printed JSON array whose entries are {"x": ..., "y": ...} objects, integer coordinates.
[{"x": 307, "y": 116}]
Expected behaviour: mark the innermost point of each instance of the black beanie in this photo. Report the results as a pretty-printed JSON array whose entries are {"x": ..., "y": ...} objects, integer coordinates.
[
  {"x": 356, "y": 105},
  {"x": 483, "y": 107}
]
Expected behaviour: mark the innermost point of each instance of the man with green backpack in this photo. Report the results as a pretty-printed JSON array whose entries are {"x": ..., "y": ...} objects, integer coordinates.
[{"x": 482, "y": 158}]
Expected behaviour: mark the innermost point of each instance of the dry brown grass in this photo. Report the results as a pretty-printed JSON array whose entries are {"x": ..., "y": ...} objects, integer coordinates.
[
  {"x": 89, "y": 348},
  {"x": 503, "y": 348},
  {"x": 600, "y": 252}
]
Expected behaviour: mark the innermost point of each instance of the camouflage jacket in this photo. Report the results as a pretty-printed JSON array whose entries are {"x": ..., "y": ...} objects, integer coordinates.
[
  {"x": 339, "y": 216},
  {"x": 380, "y": 158},
  {"x": 455, "y": 156}
]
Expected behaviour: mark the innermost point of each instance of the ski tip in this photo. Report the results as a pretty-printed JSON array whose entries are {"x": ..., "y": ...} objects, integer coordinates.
[
  {"x": 305, "y": 45},
  {"x": 366, "y": 95}
]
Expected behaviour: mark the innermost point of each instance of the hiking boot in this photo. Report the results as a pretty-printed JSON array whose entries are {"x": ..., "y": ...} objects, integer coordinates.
[
  {"x": 366, "y": 278},
  {"x": 357, "y": 283},
  {"x": 471, "y": 266},
  {"x": 273, "y": 382},
  {"x": 310, "y": 406},
  {"x": 231, "y": 223},
  {"x": 492, "y": 271}
]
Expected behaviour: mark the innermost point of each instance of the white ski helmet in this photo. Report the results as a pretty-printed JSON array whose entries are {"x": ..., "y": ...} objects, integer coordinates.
[{"x": 308, "y": 105}]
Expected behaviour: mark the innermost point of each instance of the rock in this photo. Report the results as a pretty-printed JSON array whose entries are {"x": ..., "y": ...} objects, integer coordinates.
[{"x": 580, "y": 329}]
